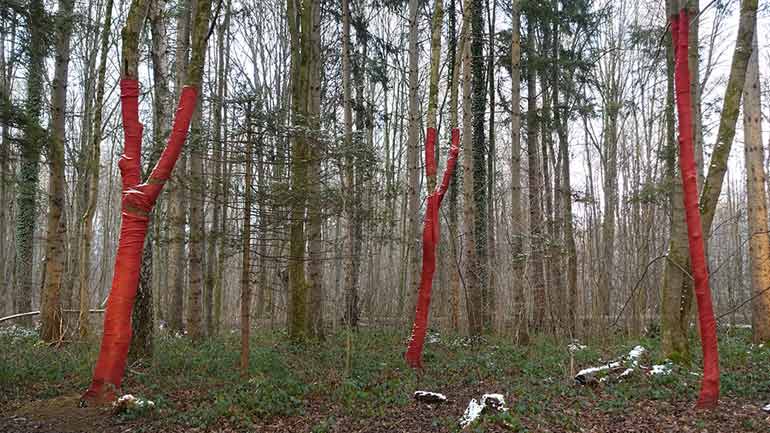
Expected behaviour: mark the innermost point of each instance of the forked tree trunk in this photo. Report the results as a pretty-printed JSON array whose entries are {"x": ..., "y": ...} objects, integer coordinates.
[
  {"x": 431, "y": 224},
  {"x": 138, "y": 197}
]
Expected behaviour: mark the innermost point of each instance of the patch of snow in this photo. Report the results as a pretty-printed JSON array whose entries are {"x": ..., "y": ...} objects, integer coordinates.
[
  {"x": 428, "y": 396},
  {"x": 626, "y": 372},
  {"x": 575, "y": 346},
  {"x": 664, "y": 369},
  {"x": 495, "y": 401},
  {"x": 433, "y": 337},
  {"x": 766, "y": 407},
  {"x": 636, "y": 352},
  {"x": 592, "y": 370},
  {"x": 471, "y": 413},
  {"x": 475, "y": 409},
  {"x": 129, "y": 402}
]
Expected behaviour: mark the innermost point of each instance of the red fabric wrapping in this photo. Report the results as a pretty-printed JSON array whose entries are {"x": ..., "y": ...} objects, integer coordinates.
[
  {"x": 130, "y": 161},
  {"x": 430, "y": 152},
  {"x": 430, "y": 238},
  {"x": 709, "y": 393},
  {"x": 136, "y": 203}
]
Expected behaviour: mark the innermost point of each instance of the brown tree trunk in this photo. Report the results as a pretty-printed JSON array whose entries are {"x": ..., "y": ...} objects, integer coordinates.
[
  {"x": 759, "y": 241},
  {"x": 50, "y": 308},
  {"x": 536, "y": 277},
  {"x": 178, "y": 203},
  {"x": 518, "y": 223}
]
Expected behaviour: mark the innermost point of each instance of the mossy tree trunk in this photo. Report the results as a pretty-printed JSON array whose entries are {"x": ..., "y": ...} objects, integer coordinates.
[{"x": 28, "y": 177}]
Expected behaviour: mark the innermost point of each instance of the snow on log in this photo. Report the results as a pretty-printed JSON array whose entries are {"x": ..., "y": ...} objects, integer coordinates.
[
  {"x": 429, "y": 397},
  {"x": 489, "y": 403},
  {"x": 624, "y": 367}
]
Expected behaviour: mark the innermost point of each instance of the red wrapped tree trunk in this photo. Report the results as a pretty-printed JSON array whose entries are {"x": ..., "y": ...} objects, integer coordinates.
[
  {"x": 430, "y": 238},
  {"x": 137, "y": 201},
  {"x": 709, "y": 393}
]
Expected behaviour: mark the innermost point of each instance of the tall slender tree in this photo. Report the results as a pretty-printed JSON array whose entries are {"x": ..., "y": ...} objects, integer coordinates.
[
  {"x": 759, "y": 240},
  {"x": 50, "y": 309}
]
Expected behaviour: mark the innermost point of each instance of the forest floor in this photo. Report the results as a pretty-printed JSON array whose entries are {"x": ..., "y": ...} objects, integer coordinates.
[{"x": 306, "y": 388}]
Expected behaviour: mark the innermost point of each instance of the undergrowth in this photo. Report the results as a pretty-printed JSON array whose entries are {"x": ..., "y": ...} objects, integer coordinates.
[{"x": 199, "y": 384}]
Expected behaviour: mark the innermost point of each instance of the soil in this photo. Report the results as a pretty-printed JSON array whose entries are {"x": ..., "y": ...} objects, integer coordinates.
[{"x": 62, "y": 415}]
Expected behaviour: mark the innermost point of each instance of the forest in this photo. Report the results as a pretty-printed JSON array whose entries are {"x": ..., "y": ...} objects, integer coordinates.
[{"x": 384, "y": 216}]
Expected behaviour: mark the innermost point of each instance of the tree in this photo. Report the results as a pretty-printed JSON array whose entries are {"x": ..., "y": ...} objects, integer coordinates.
[
  {"x": 759, "y": 241},
  {"x": 138, "y": 197},
  {"x": 455, "y": 63},
  {"x": 50, "y": 309},
  {"x": 712, "y": 185},
  {"x": 91, "y": 178},
  {"x": 303, "y": 21},
  {"x": 26, "y": 198},
  {"x": 480, "y": 208},
  {"x": 246, "y": 247},
  {"x": 351, "y": 262},
  {"x": 412, "y": 158},
  {"x": 517, "y": 215},
  {"x": 709, "y": 393},
  {"x": 178, "y": 203},
  {"x": 535, "y": 262}
]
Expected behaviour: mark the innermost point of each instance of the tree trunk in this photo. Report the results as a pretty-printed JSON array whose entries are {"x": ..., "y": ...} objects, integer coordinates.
[
  {"x": 215, "y": 245},
  {"x": 474, "y": 300},
  {"x": 454, "y": 62},
  {"x": 315, "y": 204},
  {"x": 759, "y": 241},
  {"x": 246, "y": 249},
  {"x": 479, "y": 107},
  {"x": 536, "y": 277},
  {"x": 712, "y": 187},
  {"x": 519, "y": 305},
  {"x": 413, "y": 160},
  {"x": 177, "y": 203},
  {"x": 50, "y": 308},
  {"x": 490, "y": 299},
  {"x": 91, "y": 179},
  {"x": 138, "y": 198},
  {"x": 351, "y": 286},
  {"x": 33, "y": 136},
  {"x": 709, "y": 393}
]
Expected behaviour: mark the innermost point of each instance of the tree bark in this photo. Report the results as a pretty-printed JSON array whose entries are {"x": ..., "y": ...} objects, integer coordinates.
[
  {"x": 759, "y": 241},
  {"x": 536, "y": 277},
  {"x": 413, "y": 161},
  {"x": 28, "y": 177},
  {"x": 246, "y": 249},
  {"x": 50, "y": 308},
  {"x": 178, "y": 202},
  {"x": 478, "y": 107},
  {"x": 518, "y": 224}
]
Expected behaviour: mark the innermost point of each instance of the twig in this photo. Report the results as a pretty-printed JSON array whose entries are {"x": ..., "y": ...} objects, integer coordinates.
[{"x": 636, "y": 287}]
